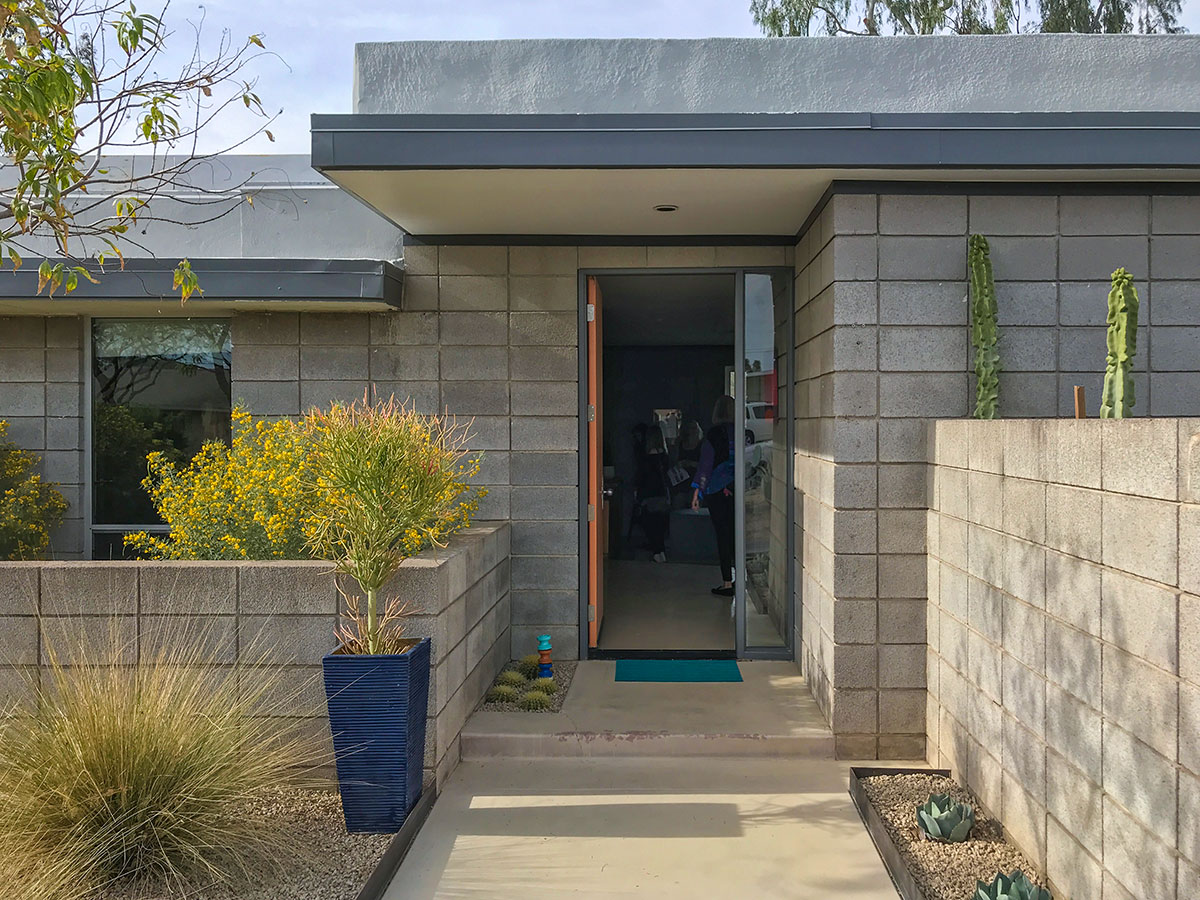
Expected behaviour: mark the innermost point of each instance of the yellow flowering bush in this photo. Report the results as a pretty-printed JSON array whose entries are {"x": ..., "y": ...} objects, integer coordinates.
[
  {"x": 388, "y": 482},
  {"x": 29, "y": 507},
  {"x": 242, "y": 501}
]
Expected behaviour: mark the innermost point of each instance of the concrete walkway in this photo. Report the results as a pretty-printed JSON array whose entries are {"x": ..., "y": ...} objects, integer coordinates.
[{"x": 661, "y": 828}]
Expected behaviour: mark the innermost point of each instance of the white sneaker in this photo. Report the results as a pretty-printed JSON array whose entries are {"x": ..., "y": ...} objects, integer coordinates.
[{"x": 660, "y": 557}]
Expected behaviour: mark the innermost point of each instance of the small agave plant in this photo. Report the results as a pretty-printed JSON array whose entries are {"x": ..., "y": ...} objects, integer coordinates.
[
  {"x": 942, "y": 819},
  {"x": 1016, "y": 886}
]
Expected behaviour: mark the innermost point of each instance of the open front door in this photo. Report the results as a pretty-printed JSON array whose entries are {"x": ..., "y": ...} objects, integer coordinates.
[{"x": 597, "y": 506}]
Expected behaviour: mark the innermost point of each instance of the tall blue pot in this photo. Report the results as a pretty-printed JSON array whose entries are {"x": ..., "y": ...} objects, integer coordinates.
[{"x": 377, "y": 708}]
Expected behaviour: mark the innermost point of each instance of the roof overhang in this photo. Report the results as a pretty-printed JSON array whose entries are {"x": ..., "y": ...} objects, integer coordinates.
[
  {"x": 143, "y": 287},
  {"x": 751, "y": 176}
]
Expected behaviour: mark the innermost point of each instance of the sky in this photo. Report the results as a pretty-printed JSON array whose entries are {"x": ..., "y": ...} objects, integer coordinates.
[{"x": 314, "y": 40}]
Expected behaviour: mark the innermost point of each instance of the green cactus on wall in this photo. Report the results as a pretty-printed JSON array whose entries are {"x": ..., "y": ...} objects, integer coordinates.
[
  {"x": 984, "y": 332},
  {"x": 1117, "y": 400}
]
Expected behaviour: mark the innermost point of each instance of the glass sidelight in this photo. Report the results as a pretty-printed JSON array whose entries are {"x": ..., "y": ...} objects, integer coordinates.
[{"x": 763, "y": 408}]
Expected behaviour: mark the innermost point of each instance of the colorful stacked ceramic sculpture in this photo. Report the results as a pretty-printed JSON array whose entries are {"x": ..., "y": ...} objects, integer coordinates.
[{"x": 545, "y": 666}]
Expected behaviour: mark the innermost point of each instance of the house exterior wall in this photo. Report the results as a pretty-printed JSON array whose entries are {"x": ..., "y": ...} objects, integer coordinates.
[
  {"x": 888, "y": 350},
  {"x": 1064, "y": 624}
]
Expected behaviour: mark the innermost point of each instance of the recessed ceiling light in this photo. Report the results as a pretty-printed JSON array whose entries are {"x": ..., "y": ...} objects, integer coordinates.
[{"x": 666, "y": 207}]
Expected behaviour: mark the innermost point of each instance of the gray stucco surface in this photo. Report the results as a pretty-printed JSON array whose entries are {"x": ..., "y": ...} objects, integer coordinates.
[{"x": 983, "y": 73}]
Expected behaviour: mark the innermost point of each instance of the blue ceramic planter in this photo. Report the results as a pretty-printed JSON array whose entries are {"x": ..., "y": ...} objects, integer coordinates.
[{"x": 377, "y": 708}]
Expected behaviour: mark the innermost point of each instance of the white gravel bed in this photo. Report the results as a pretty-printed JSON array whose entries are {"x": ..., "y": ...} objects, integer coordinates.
[
  {"x": 943, "y": 871},
  {"x": 564, "y": 672}
]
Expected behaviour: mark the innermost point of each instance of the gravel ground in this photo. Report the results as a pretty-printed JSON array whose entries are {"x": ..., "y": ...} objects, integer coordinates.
[
  {"x": 943, "y": 871},
  {"x": 563, "y": 673},
  {"x": 323, "y": 861}
]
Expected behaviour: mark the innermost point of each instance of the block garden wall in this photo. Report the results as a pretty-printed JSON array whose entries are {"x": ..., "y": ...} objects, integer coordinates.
[
  {"x": 1064, "y": 642},
  {"x": 460, "y": 598}
]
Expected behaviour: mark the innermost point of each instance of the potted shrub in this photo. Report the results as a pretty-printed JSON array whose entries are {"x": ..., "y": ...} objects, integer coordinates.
[{"x": 389, "y": 482}]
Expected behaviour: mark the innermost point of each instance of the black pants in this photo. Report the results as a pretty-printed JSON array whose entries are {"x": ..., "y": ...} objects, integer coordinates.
[
  {"x": 654, "y": 523},
  {"x": 720, "y": 511}
]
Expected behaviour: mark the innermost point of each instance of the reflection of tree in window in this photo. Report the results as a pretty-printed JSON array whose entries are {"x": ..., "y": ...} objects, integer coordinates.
[{"x": 158, "y": 384}]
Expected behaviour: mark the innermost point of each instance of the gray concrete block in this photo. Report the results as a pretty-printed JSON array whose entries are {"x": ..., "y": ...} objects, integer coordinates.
[
  {"x": 1024, "y": 572},
  {"x": 1013, "y": 215},
  {"x": 423, "y": 396},
  {"x": 1189, "y": 536},
  {"x": 855, "y": 711},
  {"x": 902, "y": 666},
  {"x": 1174, "y": 349},
  {"x": 923, "y": 215},
  {"x": 403, "y": 364},
  {"x": 292, "y": 588},
  {"x": 420, "y": 259},
  {"x": 854, "y": 530},
  {"x": 352, "y": 329},
  {"x": 1025, "y": 509},
  {"x": 902, "y": 485},
  {"x": 854, "y": 440},
  {"x": 419, "y": 293},
  {"x": 902, "y": 575},
  {"x": 1028, "y": 350},
  {"x": 854, "y": 666},
  {"x": 1025, "y": 394},
  {"x": 472, "y": 260},
  {"x": 1095, "y": 258},
  {"x": 543, "y": 260},
  {"x": 543, "y": 293},
  {"x": 1141, "y": 537},
  {"x": 1175, "y": 257},
  {"x": 290, "y": 640},
  {"x": 854, "y": 575},
  {"x": 1104, "y": 215},
  {"x": 1189, "y": 637},
  {"x": 268, "y": 398},
  {"x": 543, "y": 329},
  {"x": 900, "y": 530},
  {"x": 470, "y": 293},
  {"x": 1175, "y": 215},
  {"x": 855, "y": 348},
  {"x": 63, "y": 434},
  {"x": 475, "y": 398},
  {"x": 65, "y": 331},
  {"x": 854, "y": 258},
  {"x": 902, "y": 712},
  {"x": 404, "y": 328},
  {"x": 99, "y": 640},
  {"x": 487, "y": 328},
  {"x": 544, "y": 467},
  {"x": 1024, "y": 258},
  {"x": 1135, "y": 857},
  {"x": 62, "y": 466},
  {"x": 922, "y": 349},
  {"x": 545, "y": 573},
  {"x": 23, "y": 331},
  {"x": 612, "y": 257},
  {"x": 97, "y": 588},
  {"x": 545, "y": 539},
  {"x": 1073, "y": 662},
  {"x": 853, "y": 302},
  {"x": 545, "y": 433},
  {"x": 266, "y": 328},
  {"x": 943, "y": 394},
  {"x": 1024, "y": 761},
  {"x": 1189, "y": 727},
  {"x": 27, "y": 399},
  {"x": 1086, "y": 303},
  {"x": 1024, "y": 694},
  {"x": 1174, "y": 394},
  {"x": 987, "y": 502},
  {"x": 1076, "y": 872},
  {"x": 64, "y": 364},
  {"x": 1026, "y": 303},
  {"x": 488, "y": 433},
  {"x": 325, "y": 393},
  {"x": 854, "y": 213},
  {"x": 541, "y": 398},
  {"x": 177, "y": 587},
  {"x": 922, "y": 258},
  {"x": 29, "y": 432},
  {"x": 855, "y": 394},
  {"x": 903, "y": 440},
  {"x": 1073, "y": 729},
  {"x": 901, "y": 621},
  {"x": 543, "y": 363},
  {"x": 1086, "y": 350},
  {"x": 1074, "y": 452},
  {"x": 18, "y": 588},
  {"x": 1175, "y": 303},
  {"x": 1141, "y": 618},
  {"x": 334, "y": 363},
  {"x": 545, "y": 608},
  {"x": 922, "y": 303},
  {"x": 854, "y": 486},
  {"x": 1073, "y": 592},
  {"x": 267, "y": 363},
  {"x": 1152, "y": 710},
  {"x": 681, "y": 257},
  {"x": 1189, "y": 823},
  {"x": 473, "y": 363},
  {"x": 854, "y": 621},
  {"x": 556, "y": 503},
  {"x": 1025, "y": 631},
  {"x": 18, "y": 641},
  {"x": 212, "y": 638}
]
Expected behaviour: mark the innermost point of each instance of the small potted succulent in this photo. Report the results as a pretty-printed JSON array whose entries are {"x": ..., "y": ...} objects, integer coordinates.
[
  {"x": 389, "y": 482},
  {"x": 942, "y": 819}
]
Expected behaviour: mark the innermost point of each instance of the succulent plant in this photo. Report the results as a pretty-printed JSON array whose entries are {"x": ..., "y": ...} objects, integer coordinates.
[
  {"x": 512, "y": 677},
  {"x": 528, "y": 666},
  {"x": 503, "y": 693},
  {"x": 1011, "y": 887},
  {"x": 545, "y": 685},
  {"x": 534, "y": 700},
  {"x": 942, "y": 819}
]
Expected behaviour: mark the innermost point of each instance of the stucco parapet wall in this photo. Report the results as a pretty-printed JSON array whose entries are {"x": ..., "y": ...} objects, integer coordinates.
[{"x": 960, "y": 73}]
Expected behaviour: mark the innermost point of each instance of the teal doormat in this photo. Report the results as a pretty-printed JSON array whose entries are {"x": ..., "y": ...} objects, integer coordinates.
[{"x": 678, "y": 670}]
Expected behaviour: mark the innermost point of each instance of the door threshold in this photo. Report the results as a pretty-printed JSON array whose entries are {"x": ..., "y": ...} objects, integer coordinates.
[{"x": 595, "y": 653}]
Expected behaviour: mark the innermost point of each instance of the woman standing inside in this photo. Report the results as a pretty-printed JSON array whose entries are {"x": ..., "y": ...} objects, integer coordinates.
[{"x": 714, "y": 484}]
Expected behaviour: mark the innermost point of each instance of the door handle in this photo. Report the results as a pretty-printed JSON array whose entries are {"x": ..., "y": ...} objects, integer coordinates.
[{"x": 607, "y": 493}]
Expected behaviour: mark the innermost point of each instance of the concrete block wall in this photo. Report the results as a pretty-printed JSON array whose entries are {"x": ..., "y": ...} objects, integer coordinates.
[
  {"x": 285, "y": 611},
  {"x": 1064, "y": 632},
  {"x": 489, "y": 333},
  {"x": 41, "y": 398}
]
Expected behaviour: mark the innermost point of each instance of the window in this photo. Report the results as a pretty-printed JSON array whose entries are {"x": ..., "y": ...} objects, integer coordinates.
[{"x": 157, "y": 384}]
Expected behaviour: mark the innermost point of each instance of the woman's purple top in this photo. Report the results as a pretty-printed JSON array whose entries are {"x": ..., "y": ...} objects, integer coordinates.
[{"x": 708, "y": 459}]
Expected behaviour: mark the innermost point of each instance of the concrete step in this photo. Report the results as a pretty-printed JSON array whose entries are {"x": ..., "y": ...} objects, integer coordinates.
[{"x": 490, "y": 743}]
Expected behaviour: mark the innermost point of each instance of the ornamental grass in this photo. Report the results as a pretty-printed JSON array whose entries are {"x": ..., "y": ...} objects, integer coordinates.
[
  {"x": 116, "y": 775},
  {"x": 388, "y": 482}
]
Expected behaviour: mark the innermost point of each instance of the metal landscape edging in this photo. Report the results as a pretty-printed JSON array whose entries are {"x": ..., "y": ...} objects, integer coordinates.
[
  {"x": 380, "y": 879},
  {"x": 906, "y": 885}
]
